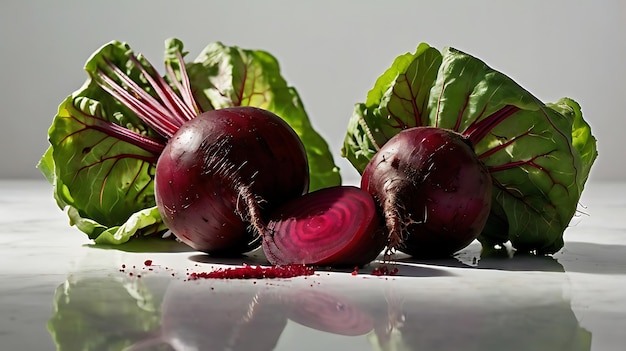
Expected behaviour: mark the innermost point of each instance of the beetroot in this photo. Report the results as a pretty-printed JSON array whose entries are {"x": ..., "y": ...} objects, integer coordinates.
[
  {"x": 220, "y": 171},
  {"x": 336, "y": 226},
  {"x": 432, "y": 190},
  {"x": 218, "y": 168}
]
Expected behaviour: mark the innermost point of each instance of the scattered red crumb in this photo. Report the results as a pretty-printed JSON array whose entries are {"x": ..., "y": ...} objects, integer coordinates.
[
  {"x": 245, "y": 272},
  {"x": 384, "y": 270},
  {"x": 355, "y": 271},
  {"x": 255, "y": 272}
]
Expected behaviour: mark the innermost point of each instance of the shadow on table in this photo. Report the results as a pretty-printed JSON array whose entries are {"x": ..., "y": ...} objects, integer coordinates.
[
  {"x": 472, "y": 258},
  {"x": 376, "y": 268},
  {"x": 584, "y": 257},
  {"x": 503, "y": 259},
  {"x": 579, "y": 257},
  {"x": 523, "y": 262},
  {"x": 146, "y": 245}
]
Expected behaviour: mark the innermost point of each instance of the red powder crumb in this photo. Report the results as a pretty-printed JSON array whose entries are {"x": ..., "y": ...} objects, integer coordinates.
[
  {"x": 148, "y": 263},
  {"x": 384, "y": 270},
  {"x": 255, "y": 272},
  {"x": 355, "y": 271},
  {"x": 123, "y": 266}
]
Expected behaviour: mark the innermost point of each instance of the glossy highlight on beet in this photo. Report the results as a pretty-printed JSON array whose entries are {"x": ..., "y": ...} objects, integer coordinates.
[
  {"x": 336, "y": 226},
  {"x": 431, "y": 188}
]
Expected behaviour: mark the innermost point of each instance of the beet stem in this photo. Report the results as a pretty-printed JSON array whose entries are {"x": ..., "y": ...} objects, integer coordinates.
[
  {"x": 165, "y": 113},
  {"x": 184, "y": 87},
  {"x": 172, "y": 102},
  {"x": 144, "y": 142},
  {"x": 157, "y": 119}
]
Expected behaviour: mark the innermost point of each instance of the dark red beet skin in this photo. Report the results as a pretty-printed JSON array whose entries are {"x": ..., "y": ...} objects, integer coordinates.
[
  {"x": 336, "y": 226},
  {"x": 433, "y": 191},
  {"x": 223, "y": 170}
]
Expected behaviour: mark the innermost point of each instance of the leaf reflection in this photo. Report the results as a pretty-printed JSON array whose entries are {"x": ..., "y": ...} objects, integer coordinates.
[{"x": 484, "y": 310}]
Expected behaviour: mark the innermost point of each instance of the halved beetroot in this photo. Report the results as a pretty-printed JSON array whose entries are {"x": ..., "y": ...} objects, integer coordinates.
[{"x": 336, "y": 226}]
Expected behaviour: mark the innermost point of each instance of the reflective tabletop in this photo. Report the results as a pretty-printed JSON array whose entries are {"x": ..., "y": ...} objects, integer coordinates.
[{"x": 59, "y": 291}]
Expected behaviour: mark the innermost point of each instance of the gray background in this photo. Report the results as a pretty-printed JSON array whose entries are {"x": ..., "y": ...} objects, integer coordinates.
[{"x": 331, "y": 51}]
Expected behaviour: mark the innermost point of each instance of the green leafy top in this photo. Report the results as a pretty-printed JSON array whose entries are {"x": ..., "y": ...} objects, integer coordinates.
[
  {"x": 106, "y": 181},
  {"x": 539, "y": 155}
]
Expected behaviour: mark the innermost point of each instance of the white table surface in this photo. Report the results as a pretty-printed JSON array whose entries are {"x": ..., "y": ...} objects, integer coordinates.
[{"x": 53, "y": 281}]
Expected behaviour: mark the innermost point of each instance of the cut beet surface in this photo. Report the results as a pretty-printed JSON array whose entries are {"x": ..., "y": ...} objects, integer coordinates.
[{"x": 336, "y": 226}]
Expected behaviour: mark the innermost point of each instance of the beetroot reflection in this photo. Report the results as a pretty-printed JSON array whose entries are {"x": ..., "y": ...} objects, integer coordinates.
[
  {"x": 329, "y": 313},
  {"x": 217, "y": 317},
  {"x": 482, "y": 310},
  {"x": 237, "y": 315}
]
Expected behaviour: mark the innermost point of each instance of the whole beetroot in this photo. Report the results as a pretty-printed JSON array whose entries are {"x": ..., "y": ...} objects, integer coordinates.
[
  {"x": 431, "y": 188},
  {"x": 225, "y": 170}
]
